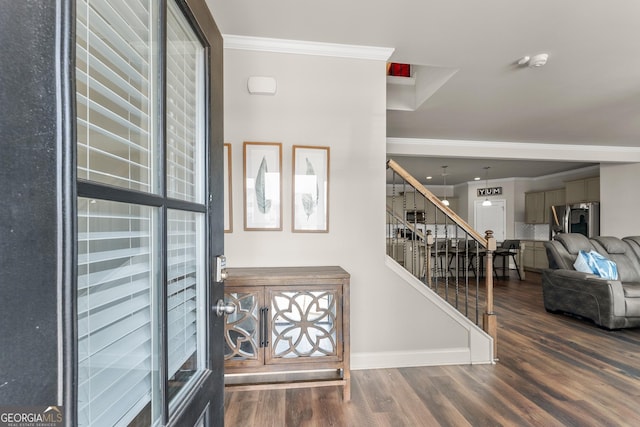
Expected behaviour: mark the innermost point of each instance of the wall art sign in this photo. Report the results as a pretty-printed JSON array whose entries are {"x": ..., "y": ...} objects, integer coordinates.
[
  {"x": 490, "y": 191},
  {"x": 310, "y": 189},
  {"x": 262, "y": 186}
]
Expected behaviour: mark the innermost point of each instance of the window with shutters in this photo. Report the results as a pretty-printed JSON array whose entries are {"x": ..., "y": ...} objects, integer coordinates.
[{"x": 141, "y": 222}]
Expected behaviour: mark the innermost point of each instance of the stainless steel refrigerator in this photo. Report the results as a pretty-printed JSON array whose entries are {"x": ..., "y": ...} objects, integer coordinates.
[{"x": 583, "y": 218}]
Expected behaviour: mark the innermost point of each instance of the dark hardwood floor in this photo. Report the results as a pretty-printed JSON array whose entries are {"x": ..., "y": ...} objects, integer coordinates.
[{"x": 553, "y": 370}]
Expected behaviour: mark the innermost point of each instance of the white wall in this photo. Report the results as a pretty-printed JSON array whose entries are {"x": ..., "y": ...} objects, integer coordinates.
[
  {"x": 619, "y": 200},
  {"x": 340, "y": 103}
]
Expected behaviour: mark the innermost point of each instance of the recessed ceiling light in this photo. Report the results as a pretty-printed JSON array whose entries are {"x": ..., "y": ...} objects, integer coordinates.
[
  {"x": 534, "y": 61},
  {"x": 429, "y": 177},
  {"x": 477, "y": 178},
  {"x": 538, "y": 60}
]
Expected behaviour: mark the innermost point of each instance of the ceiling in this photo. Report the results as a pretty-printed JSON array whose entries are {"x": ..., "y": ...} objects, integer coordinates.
[
  {"x": 459, "y": 170},
  {"x": 587, "y": 94}
]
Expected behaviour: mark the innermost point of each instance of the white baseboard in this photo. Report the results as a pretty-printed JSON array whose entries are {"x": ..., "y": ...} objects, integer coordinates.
[{"x": 404, "y": 359}]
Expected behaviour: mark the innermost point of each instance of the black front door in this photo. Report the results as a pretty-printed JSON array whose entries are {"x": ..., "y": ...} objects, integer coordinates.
[
  {"x": 112, "y": 211},
  {"x": 149, "y": 213}
]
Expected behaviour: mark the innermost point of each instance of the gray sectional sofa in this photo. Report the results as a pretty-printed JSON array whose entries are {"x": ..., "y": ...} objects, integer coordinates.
[{"x": 612, "y": 304}]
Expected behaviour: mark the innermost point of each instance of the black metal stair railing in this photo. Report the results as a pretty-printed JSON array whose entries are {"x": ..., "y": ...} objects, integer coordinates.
[{"x": 438, "y": 247}]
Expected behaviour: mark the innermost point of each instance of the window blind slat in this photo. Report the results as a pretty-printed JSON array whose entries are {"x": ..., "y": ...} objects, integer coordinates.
[
  {"x": 109, "y": 295},
  {"x": 175, "y": 287},
  {"x": 117, "y": 63},
  {"x": 137, "y": 337},
  {"x": 179, "y": 299},
  {"x": 122, "y": 385},
  {"x": 102, "y": 277},
  {"x": 113, "y": 27},
  {"x": 133, "y": 27},
  {"x": 109, "y": 315},
  {"x": 116, "y": 235},
  {"x": 111, "y": 116},
  {"x": 110, "y": 255},
  {"x": 101, "y": 339},
  {"x": 99, "y": 71},
  {"x": 112, "y": 96},
  {"x": 115, "y": 138}
]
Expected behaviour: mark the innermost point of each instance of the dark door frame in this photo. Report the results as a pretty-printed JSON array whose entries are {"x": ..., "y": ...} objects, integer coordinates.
[{"x": 37, "y": 213}]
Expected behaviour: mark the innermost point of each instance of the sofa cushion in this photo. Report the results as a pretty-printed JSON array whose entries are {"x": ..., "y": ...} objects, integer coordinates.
[
  {"x": 634, "y": 244},
  {"x": 631, "y": 289},
  {"x": 619, "y": 252},
  {"x": 612, "y": 245},
  {"x": 558, "y": 256},
  {"x": 631, "y": 299},
  {"x": 574, "y": 242}
]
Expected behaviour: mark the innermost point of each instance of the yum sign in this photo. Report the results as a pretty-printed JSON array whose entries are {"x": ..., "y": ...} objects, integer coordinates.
[{"x": 491, "y": 191}]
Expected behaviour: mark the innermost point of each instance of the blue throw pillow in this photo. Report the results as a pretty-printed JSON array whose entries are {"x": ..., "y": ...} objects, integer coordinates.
[{"x": 594, "y": 263}]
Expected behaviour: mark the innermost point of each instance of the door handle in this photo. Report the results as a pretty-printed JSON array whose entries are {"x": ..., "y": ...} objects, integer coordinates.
[{"x": 221, "y": 308}]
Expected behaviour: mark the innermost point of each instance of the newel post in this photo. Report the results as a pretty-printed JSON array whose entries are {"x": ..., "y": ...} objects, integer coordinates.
[{"x": 490, "y": 321}]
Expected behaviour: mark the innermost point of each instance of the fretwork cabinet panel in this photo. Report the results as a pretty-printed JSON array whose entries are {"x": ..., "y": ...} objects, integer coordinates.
[
  {"x": 243, "y": 344},
  {"x": 279, "y": 325},
  {"x": 289, "y": 319}
]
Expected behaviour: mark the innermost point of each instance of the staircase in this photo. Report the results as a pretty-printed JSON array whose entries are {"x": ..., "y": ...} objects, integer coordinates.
[{"x": 441, "y": 249}]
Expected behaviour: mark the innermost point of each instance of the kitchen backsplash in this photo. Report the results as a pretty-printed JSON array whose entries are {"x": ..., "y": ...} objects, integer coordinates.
[{"x": 525, "y": 231}]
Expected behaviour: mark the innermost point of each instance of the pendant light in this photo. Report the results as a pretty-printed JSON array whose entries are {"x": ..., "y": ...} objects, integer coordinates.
[
  {"x": 444, "y": 182},
  {"x": 486, "y": 202}
]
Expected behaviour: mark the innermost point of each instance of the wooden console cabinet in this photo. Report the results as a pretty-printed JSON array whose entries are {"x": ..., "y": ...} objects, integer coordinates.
[{"x": 290, "y": 328}]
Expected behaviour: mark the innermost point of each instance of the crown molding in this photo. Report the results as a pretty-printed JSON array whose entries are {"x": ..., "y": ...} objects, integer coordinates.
[
  {"x": 512, "y": 150},
  {"x": 262, "y": 44}
]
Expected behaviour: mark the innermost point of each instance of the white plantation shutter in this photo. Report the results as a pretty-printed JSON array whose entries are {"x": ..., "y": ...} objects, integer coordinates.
[
  {"x": 121, "y": 251},
  {"x": 185, "y": 108},
  {"x": 184, "y": 285},
  {"x": 116, "y": 274},
  {"x": 114, "y": 93},
  {"x": 118, "y": 250},
  {"x": 185, "y": 181}
]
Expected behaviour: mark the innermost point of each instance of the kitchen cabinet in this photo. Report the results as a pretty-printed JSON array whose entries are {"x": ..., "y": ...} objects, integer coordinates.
[
  {"x": 535, "y": 255},
  {"x": 290, "y": 328},
  {"x": 583, "y": 190},
  {"x": 534, "y": 207},
  {"x": 552, "y": 198},
  {"x": 537, "y": 204}
]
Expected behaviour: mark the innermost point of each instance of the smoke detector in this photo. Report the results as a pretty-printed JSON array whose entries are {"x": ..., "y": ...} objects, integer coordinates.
[{"x": 534, "y": 61}]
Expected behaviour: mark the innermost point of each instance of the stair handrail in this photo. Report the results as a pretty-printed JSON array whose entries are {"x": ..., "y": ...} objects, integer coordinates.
[
  {"x": 393, "y": 165},
  {"x": 488, "y": 242}
]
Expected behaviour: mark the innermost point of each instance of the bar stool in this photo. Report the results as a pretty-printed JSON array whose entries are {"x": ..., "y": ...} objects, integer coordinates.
[{"x": 509, "y": 248}]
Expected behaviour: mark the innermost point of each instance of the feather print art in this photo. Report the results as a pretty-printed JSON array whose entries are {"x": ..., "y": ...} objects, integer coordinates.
[
  {"x": 264, "y": 205},
  {"x": 310, "y": 200}
]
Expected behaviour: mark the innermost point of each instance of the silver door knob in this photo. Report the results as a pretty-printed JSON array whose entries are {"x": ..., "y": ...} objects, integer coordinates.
[{"x": 221, "y": 308}]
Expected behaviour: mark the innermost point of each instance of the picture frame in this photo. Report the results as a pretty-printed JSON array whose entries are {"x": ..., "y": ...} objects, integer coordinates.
[
  {"x": 262, "y": 186},
  {"x": 310, "y": 189},
  {"x": 227, "y": 194}
]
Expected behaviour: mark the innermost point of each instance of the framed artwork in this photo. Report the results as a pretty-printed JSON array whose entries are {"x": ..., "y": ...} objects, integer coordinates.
[
  {"x": 310, "y": 189},
  {"x": 228, "y": 208},
  {"x": 262, "y": 186}
]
